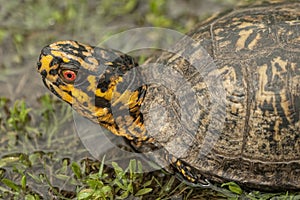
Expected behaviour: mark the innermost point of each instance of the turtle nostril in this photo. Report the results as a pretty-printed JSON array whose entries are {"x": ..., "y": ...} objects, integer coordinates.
[
  {"x": 44, "y": 73},
  {"x": 39, "y": 64}
]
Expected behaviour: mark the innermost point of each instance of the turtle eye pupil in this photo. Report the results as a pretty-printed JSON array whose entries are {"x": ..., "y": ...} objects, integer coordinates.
[{"x": 69, "y": 76}]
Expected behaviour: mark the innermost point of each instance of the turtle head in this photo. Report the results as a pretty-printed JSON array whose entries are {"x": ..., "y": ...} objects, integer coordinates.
[{"x": 91, "y": 80}]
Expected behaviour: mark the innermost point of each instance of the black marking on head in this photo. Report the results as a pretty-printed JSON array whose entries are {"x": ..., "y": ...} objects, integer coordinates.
[
  {"x": 70, "y": 49},
  {"x": 54, "y": 92},
  {"x": 65, "y": 45},
  {"x": 58, "y": 82},
  {"x": 72, "y": 65},
  {"x": 68, "y": 92},
  {"x": 39, "y": 64},
  {"x": 44, "y": 73},
  {"x": 81, "y": 47},
  {"x": 105, "y": 80},
  {"x": 103, "y": 86},
  {"x": 128, "y": 61},
  {"x": 79, "y": 54},
  {"x": 46, "y": 51},
  {"x": 53, "y": 72},
  {"x": 102, "y": 102},
  {"x": 44, "y": 81},
  {"x": 55, "y": 61}
]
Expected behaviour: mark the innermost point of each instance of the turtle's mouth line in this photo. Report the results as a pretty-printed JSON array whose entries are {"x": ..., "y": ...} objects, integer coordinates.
[
  {"x": 46, "y": 82},
  {"x": 51, "y": 87}
]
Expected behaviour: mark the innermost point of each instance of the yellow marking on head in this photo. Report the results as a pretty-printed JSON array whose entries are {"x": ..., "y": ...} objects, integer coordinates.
[
  {"x": 66, "y": 57},
  {"x": 65, "y": 96},
  {"x": 58, "y": 53},
  {"x": 73, "y": 43},
  {"x": 93, "y": 83},
  {"x": 80, "y": 95},
  {"x": 133, "y": 98},
  {"x": 46, "y": 60},
  {"x": 65, "y": 60},
  {"x": 123, "y": 98},
  {"x": 100, "y": 112},
  {"x": 86, "y": 53},
  {"x": 99, "y": 93},
  {"x": 107, "y": 118},
  {"x": 93, "y": 60},
  {"x": 78, "y": 98},
  {"x": 110, "y": 91}
]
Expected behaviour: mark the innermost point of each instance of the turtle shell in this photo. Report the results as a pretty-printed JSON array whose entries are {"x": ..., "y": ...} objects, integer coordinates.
[{"x": 237, "y": 116}]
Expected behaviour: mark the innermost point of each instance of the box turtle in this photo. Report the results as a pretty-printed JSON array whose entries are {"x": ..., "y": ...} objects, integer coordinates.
[{"x": 224, "y": 108}]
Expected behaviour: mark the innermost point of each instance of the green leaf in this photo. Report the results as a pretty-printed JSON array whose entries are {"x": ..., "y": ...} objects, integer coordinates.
[
  {"x": 35, "y": 178},
  {"x": 124, "y": 195},
  {"x": 94, "y": 184},
  {"x": 107, "y": 190},
  {"x": 76, "y": 169},
  {"x": 8, "y": 160},
  {"x": 140, "y": 167},
  {"x": 85, "y": 194},
  {"x": 143, "y": 191},
  {"x": 132, "y": 168},
  {"x": 62, "y": 177},
  {"x": 119, "y": 184},
  {"x": 100, "y": 173},
  {"x": 147, "y": 183},
  {"x": 11, "y": 184},
  {"x": 23, "y": 182},
  {"x": 130, "y": 187},
  {"x": 118, "y": 170},
  {"x": 29, "y": 197},
  {"x": 19, "y": 115},
  {"x": 233, "y": 187},
  {"x": 167, "y": 187}
]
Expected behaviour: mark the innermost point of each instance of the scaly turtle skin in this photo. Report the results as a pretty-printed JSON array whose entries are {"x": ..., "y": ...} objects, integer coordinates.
[{"x": 255, "y": 52}]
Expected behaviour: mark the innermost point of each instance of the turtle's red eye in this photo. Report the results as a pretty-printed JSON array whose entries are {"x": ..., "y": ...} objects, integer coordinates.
[{"x": 69, "y": 76}]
